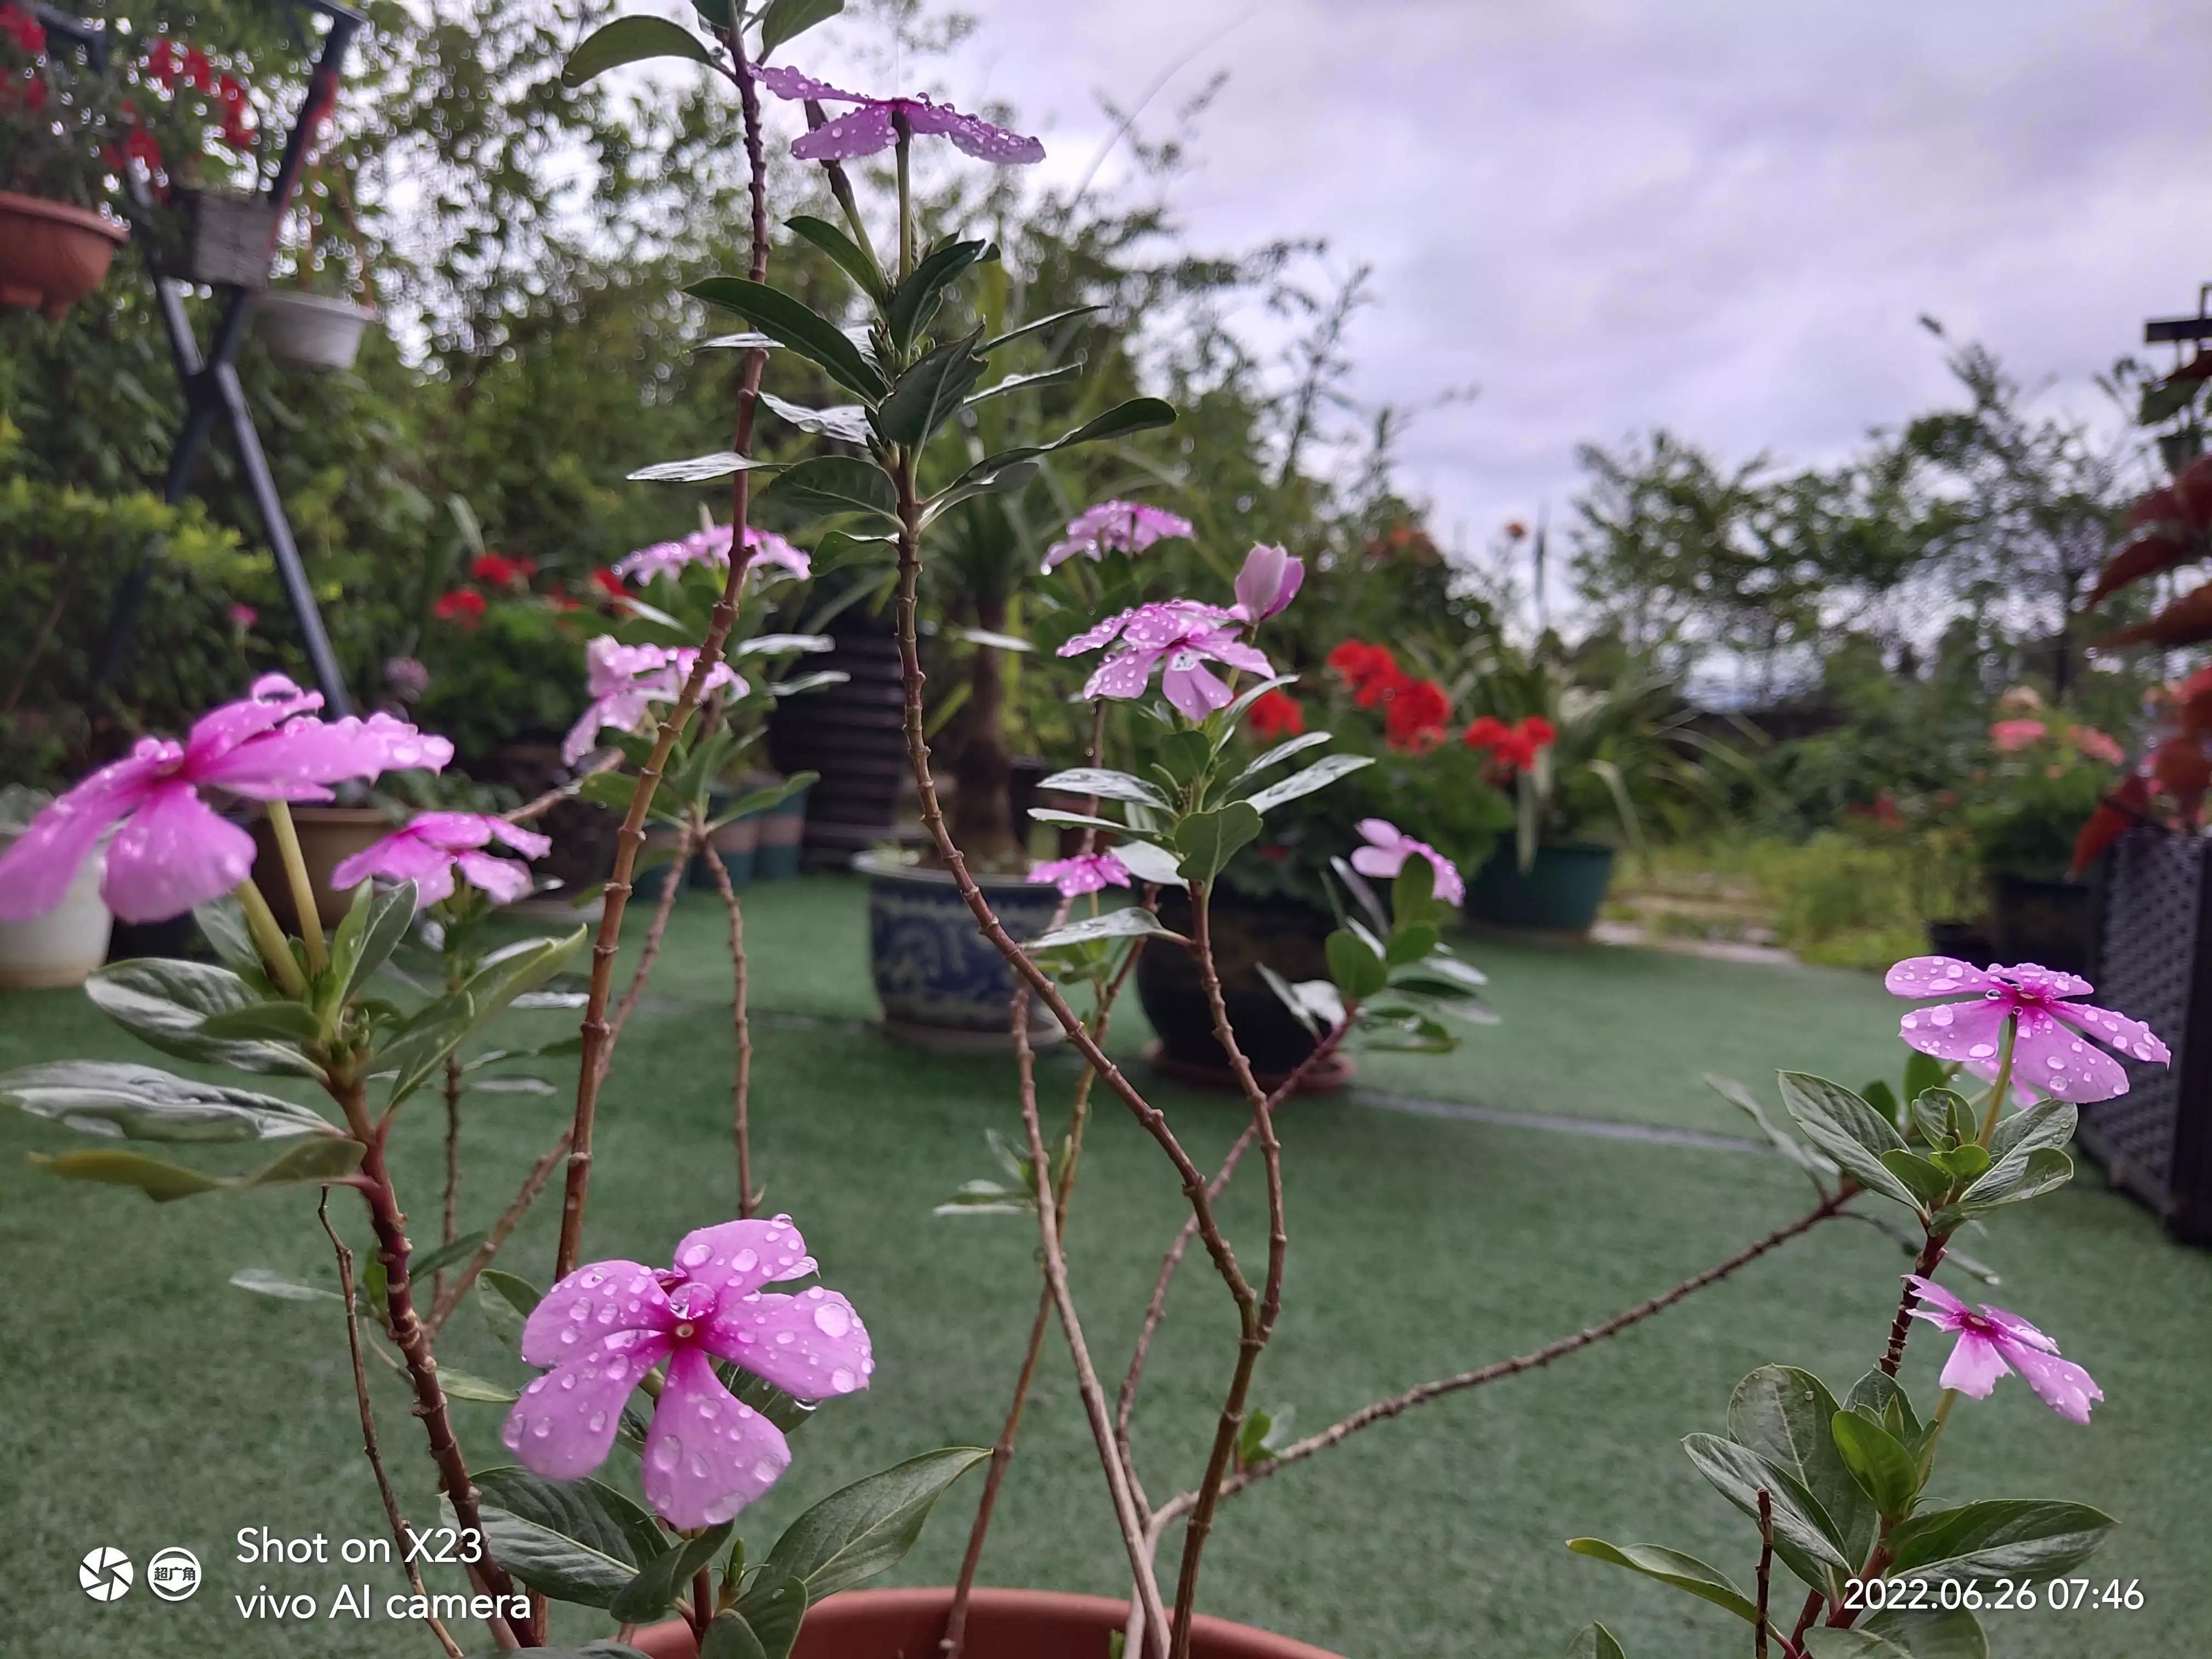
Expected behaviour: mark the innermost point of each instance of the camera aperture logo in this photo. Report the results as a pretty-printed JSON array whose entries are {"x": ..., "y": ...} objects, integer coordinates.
[
  {"x": 105, "y": 1573},
  {"x": 173, "y": 1575}
]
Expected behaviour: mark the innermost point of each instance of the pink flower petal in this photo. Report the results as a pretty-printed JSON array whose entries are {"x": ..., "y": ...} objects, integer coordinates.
[
  {"x": 1124, "y": 674},
  {"x": 36, "y": 871},
  {"x": 1974, "y": 1366},
  {"x": 2130, "y": 1036},
  {"x": 452, "y": 830},
  {"x": 273, "y": 701},
  {"x": 2017, "y": 1329},
  {"x": 1091, "y": 638},
  {"x": 738, "y": 1257},
  {"x": 1936, "y": 977},
  {"x": 708, "y": 1455},
  {"x": 528, "y": 842},
  {"x": 789, "y": 83},
  {"x": 1971, "y": 1031},
  {"x": 404, "y": 856},
  {"x": 971, "y": 135},
  {"x": 1936, "y": 1304},
  {"x": 2059, "y": 1383},
  {"x": 863, "y": 131},
  {"x": 564, "y": 1426},
  {"x": 173, "y": 853},
  {"x": 1448, "y": 887},
  {"x": 1194, "y": 689},
  {"x": 1237, "y": 654},
  {"x": 2049, "y": 1058},
  {"x": 1380, "y": 862},
  {"x": 503, "y": 881},
  {"x": 2034, "y": 976},
  {"x": 597, "y": 1298},
  {"x": 811, "y": 1345}
]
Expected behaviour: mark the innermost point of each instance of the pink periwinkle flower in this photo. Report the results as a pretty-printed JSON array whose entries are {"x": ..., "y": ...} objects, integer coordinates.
[
  {"x": 2010, "y": 737},
  {"x": 433, "y": 845},
  {"x": 874, "y": 125},
  {"x": 406, "y": 678},
  {"x": 2049, "y": 1055},
  {"x": 1267, "y": 583},
  {"x": 173, "y": 851},
  {"x": 771, "y": 553},
  {"x": 1992, "y": 1343},
  {"x": 1114, "y": 527},
  {"x": 1181, "y": 633},
  {"x": 243, "y": 617},
  {"x": 1086, "y": 872},
  {"x": 625, "y": 681},
  {"x": 2097, "y": 746},
  {"x": 604, "y": 1327},
  {"x": 1388, "y": 848}
]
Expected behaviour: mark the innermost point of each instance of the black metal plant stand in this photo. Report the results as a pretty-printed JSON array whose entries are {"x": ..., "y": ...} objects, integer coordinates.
[{"x": 209, "y": 378}]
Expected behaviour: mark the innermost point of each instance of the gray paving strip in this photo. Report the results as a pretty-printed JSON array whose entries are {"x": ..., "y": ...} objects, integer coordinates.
[{"x": 1598, "y": 1129}]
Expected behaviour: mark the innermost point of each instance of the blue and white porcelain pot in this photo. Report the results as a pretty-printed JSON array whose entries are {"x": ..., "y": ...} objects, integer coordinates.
[{"x": 942, "y": 984}]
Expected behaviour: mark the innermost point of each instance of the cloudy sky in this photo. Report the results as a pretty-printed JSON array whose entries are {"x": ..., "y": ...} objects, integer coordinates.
[{"x": 1721, "y": 217}]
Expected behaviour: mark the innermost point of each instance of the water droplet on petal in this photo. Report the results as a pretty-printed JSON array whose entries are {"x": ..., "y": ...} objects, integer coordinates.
[
  {"x": 665, "y": 1455},
  {"x": 582, "y": 1309},
  {"x": 744, "y": 1261},
  {"x": 1980, "y": 1051},
  {"x": 542, "y": 1427},
  {"x": 695, "y": 1255},
  {"x": 833, "y": 1319},
  {"x": 699, "y": 1466},
  {"x": 765, "y": 1470},
  {"x": 597, "y": 1421},
  {"x": 843, "y": 1381},
  {"x": 1939, "y": 1016}
]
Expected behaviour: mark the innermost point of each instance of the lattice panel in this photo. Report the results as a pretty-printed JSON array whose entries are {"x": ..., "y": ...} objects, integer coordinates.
[{"x": 2153, "y": 902}]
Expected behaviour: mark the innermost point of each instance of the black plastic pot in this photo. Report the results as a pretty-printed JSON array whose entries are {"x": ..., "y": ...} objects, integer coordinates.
[
  {"x": 1559, "y": 892},
  {"x": 2051, "y": 923},
  {"x": 1285, "y": 935},
  {"x": 1966, "y": 941},
  {"x": 853, "y": 734}
]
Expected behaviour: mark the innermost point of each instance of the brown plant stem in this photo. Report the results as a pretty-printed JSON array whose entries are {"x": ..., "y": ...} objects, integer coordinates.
[
  {"x": 741, "y": 1024},
  {"x": 408, "y": 1333},
  {"x": 1257, "y": 1322},
  {"x": 678, "y": 869},
  {"x": 1149, "y": 1117},
  {"x": 1900, "y": 1328},
  {"x": 1125, "y": 1515},
  {"x": 538, "y": 806},
  {"x": 370, "y": 1447},
  {"x": 442, "y": 1307},
  {"x": 449, "y": 1211},
  {"x": 1383, "y": 1410},
  {"x": 598, "y": 1034},
  {"x": 1156, "y": 1310},
  {"x": 1765, "y": 1571}
]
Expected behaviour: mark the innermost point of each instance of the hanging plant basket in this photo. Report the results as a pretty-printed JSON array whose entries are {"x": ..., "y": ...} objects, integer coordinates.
[
  {"x": 228, "y": 238},
  {"x": 311, "y": 331},
  {"x": 53, "y": 254}
]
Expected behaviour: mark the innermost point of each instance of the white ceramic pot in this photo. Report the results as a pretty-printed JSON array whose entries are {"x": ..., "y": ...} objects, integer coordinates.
[
  {"x": 311, "y": 331},
  {"x": 64, "y": 944}
]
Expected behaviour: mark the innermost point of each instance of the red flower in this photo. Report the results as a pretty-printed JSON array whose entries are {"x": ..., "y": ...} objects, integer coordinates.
[
  {"x": 24, "y": 30},
  {"x": 1513, "y": 748},
  {"x": 1484, "y": 731},
  {"x": 161, "y": 64},
  {"x": 1274, "y": 714},
  {"x": 200, "y": 73},
  {"x": 1539, "y": 731},
  {"x": 463, "y": 605},
  {"x": 1371, "y": 670},
  {"x": 500, "y": 571},
  {"x": 1414, "y": 715},
  {"x": 608, "y": 583}
]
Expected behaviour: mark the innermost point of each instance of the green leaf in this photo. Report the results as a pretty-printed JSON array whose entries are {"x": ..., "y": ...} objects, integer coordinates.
[
  {"x": 1358, "y": 972},
  {"x": 1886, "y": 1472},
  {"x": 987, "y": 478},
  {"x": 1279, "y": 753},
  {"x": 772, "y": 1608},
  {"x": 273, "y": 1022},
  {"x": 167, "y": 1005},
  {"x": 1804, "y": 1538},
  {"x": 355, "y": 958},
  {"x": 1080, "y": 820},
  {"x": 846, "y": 422},
  {"x": 467, "y": 1385},
  {"x": 1413, "y": 942},
  {"x": 1785, "y": 1416},
  {"x": 930, "y": 393},
  {"x": 267, "y": 1281},
  {"x": 1894, "y": 1633},
  {"x": 839, "y": 483},
  {"x": 502, "y": 1297},
  {"x": 1319, "y": 775},
  {"x": 789, "y": 323},
  {"x": 421, "y": 1044},
  {"x": 784, "y": 20},
  {"x": 1683, "y": 1572},
  {"x": 1124, "y": 419},
  {"x": 1878, "y": 1397},
  {"x": 1924, "y": 1072},
  {"x": 223, "y": 925},
  {"x": 2003, "y": 1538},
  {"x": 850, "y": 257},
  {"x": 422, "y": 1263},
  {"x": 917, "y": 298},
  {"x": 1106, "y": 784},
  {"x": 1927, "y": 1181},
  {"x": 1849, "y": 1131},
  {"x": 548, "y": 1561},
  {"x": 729, "y": 1636},
  {"x": 1148, "y": 863},
  {"x": 143, "y": 1102},
  {"x": 1815, "y": 1165},
  {"x": 1132, "y": 921},
  {"x": 1044, "y": 377},
  {"x": 2021, "y": 1174},
  {"x": 653, "y": 1590},
  {"x": 1964, "y": 1164},
  {"x": 586, "y": 1511},
  {"x": 1206, "y": 842},
  {"x": 860, "y": 1530},
  {"x": 631, "y": 39},
  {"x": 2047, "y": 1123},
  {"x": 1023, "y": 331},
  {"x": 1883, "y": 1098},
  {"x": 700, "y": 469},
  {"x": 323, "y": 1159},
  {"x": 1594, "y": 1642}
]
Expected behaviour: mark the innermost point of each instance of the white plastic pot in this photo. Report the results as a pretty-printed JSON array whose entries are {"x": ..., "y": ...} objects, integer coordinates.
[
  {"x": 64, "y": 944},
  {"x": 311, "y": 331}
]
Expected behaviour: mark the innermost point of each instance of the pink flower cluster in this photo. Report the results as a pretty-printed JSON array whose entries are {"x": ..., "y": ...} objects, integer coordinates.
[
  {"x": 601, "y": 1329},
  {"x": 1993, "y": 1343},
  {"x": 1388, "y": 848},
  {"x": 625, "y": 681},
  {"x": 769, "y": 550},
  {"x": 1184, "y": 636},
  {"x": 173, "y": 851},
  {"x": 433, "y": 845},
  {"x": 1114, "y": 527},
  {"x": 1086, "y": 872}
]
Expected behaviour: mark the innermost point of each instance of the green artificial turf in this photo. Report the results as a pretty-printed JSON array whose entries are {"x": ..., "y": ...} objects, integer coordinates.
[{"x": 149, "y": 1404}]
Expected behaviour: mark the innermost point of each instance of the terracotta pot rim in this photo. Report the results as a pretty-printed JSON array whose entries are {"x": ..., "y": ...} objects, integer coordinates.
[{"x": 64, "y": 213}]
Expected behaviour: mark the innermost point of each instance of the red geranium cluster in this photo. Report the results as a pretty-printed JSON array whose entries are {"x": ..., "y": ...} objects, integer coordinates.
[
  {"x": 1275, "y": 715},
  {"x": 1414, "y": 711},
  {"x": 1511, "y": 748},
  {"x": 463, "y": 605},
  {"x": 499, "y": 571},
  {"x": 165, "y": 66}
]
